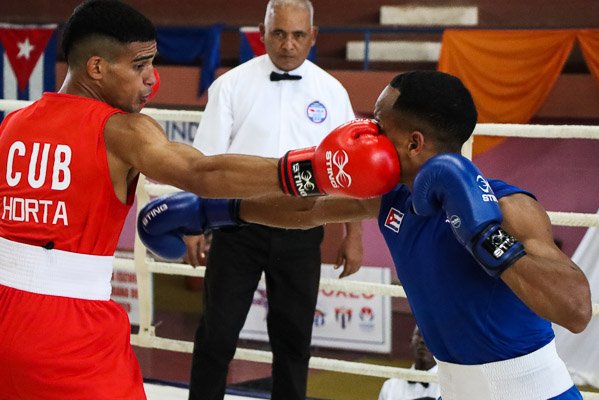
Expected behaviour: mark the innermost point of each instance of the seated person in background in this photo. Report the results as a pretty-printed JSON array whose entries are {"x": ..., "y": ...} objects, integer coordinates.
[{"x": 400, "y": 389}]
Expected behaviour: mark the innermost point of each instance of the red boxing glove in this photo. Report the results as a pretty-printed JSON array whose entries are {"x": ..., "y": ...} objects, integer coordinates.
[
  {"x": 155, "y": 86},
  {"x": 354, "y": 160}
]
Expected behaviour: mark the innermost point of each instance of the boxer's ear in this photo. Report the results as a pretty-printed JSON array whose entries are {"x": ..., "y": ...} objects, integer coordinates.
[{"x": 95, "y": 67}]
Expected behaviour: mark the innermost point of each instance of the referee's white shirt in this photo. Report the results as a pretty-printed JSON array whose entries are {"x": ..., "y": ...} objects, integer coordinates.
[{"x": 247, "y": 113}]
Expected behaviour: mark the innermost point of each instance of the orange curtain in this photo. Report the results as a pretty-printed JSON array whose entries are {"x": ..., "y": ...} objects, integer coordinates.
[
  {"x": 589, "y": 44},
  {"x": 509, "y": 72}
]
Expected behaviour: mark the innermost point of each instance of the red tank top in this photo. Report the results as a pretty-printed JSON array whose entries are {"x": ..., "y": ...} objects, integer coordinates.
[{"x": 55, "y": 185}]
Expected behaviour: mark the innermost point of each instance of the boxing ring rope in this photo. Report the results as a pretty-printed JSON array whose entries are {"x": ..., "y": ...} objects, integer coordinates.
[{"x": 144, "y": 266}]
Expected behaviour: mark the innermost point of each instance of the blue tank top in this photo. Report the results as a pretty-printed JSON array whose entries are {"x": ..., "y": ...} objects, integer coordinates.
[{"x": 465, "y": 316}]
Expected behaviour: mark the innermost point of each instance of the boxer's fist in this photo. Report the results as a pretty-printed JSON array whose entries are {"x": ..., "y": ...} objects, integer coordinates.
[
  {"x": 162, "y": 223},
  {"x": 354, "y": 160},
  {"x": 454, "y": 184}
]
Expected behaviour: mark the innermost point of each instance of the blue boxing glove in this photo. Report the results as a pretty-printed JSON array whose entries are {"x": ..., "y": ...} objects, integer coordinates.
[
  {"x": 162, "y": 223},
  {"x": 453, "y": 183}
]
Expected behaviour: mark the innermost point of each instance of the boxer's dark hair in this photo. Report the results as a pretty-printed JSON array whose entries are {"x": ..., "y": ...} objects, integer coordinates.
[
  {"x": 438, "y": 105},
  {"x": 112, "y": 19}
]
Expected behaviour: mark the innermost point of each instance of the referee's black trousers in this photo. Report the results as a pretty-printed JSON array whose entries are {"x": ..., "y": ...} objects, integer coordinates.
[{"x": 291, "y": 262}]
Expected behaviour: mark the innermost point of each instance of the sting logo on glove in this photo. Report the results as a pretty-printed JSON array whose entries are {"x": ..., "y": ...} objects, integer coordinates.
[
  {"x": 484, "y": 186},
  {"x": 354, "y": 160},
  {"x": 339, "y": 159},
  {"x": 303, "y": 178},
  {"x": 498, "y": 243},
  {"x": 446, "y": 181},
  {"x": 149, "y": 215}
]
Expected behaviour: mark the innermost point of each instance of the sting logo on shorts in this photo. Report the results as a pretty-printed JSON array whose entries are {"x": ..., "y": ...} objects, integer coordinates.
[
  {"x": 316, "y": 112},
  {"x": 394, "y": 219}
]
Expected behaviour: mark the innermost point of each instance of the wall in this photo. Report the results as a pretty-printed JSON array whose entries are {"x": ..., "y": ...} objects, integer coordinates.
[
  {"x": 492, "y": 14},
  {"x": 507, "y": 14},
  {"x": 504, "y": 14}
]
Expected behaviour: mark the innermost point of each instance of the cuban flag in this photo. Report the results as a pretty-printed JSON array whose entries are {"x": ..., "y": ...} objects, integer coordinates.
[
  {"x": 250, "y": 44},
  {"x": 28, "y": 61}
]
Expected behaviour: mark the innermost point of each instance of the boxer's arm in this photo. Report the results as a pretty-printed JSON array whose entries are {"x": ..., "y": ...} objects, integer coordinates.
[
  {"x": 137, "y": 142},
  {"x": 163, "y": 222},
  {"x": 302, "y": 213},
  {"x": 546, "y": 279}
]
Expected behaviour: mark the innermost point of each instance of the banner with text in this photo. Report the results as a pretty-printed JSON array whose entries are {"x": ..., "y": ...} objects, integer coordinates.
[
  {"x": 180, "y": 131},
  {"x": 124, "y": 292},
  {"x": 344, "y": 320}
]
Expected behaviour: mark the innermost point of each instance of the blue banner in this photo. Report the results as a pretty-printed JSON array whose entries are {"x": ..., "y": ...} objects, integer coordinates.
[{"x": 185, "y": 45}]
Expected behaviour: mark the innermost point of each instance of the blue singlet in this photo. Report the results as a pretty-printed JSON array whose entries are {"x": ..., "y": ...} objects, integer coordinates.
[{"x": 465, "y": 316}]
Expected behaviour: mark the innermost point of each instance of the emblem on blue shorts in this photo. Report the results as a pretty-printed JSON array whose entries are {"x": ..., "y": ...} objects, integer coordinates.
[
  {"x": 316, "y": 112},
  {"x": 394, "y": 219}
]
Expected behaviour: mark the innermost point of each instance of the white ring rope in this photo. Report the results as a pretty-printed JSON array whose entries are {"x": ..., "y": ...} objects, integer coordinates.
[
  {"x": 156, "y": 113},
  {"x": 145, "y": 266},
  {"x": 11, "y": 105},
  {"x": 173, "y": 268},
  {"x": 173, "y": 115},
  {"x": 539, "y": 131},
  {"x": 370, "y": 288},
  {"x": 512, "y": 130}
]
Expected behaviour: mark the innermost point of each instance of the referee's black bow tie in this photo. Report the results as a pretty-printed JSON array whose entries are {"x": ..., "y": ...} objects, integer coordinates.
[{"x": 275, "y": 76}]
